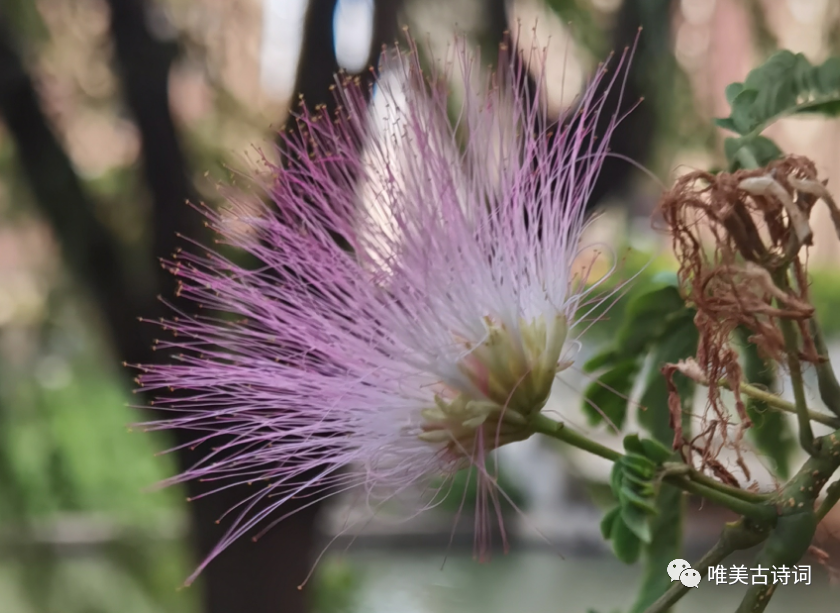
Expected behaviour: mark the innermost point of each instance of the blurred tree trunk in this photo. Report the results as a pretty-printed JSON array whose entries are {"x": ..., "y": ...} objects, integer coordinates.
[
  {"x": 88, "y": 248},
  {"x": 318, "y": 64},
  {"x": 257, "y": 577},
  {"x": 144, "y": 62},
  {"x": 650, "y": 76},
  {"x": 632, "y": 138}
]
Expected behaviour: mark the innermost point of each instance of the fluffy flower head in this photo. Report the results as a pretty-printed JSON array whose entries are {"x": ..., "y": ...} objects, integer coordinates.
[{"x": 414, "y": 296}]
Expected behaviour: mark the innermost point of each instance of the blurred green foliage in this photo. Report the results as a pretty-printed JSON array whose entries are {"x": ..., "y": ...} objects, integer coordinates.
[
  {"x": 462, "y": 490},
  {"x": 336, "y": 587},
  {"x": 79, "y": 530},
  {"x": 72, "y": 451}
]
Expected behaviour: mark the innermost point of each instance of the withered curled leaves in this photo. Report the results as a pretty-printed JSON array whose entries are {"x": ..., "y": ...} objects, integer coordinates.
[{"x": 738, "y": 237}]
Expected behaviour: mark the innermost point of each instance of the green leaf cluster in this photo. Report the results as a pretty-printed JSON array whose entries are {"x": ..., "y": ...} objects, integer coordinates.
[
  {"x": 656, "y": 321},
  {"x": 786, "y": 84},
  {"x": 632, "y": 481},
  {"x": 657, "y": 328}
]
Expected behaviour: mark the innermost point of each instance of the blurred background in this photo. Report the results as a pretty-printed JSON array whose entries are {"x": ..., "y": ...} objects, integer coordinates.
[{"x": 113, "y": 113}]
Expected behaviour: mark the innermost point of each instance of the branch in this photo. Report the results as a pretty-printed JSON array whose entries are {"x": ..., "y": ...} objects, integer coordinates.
[
  {"x": 735, "y": 536},
  {"x": 677, "y": 590},
  {"x": 725, "y": 498},
  {"x": 144, "y": 62},
  {"x": 558, "y": 430},
  {"x": 745, "y": 503},
  {"x": 736, "y": 492},
  {"x": 797, "y": 521},
  {"x": 775, "y": 402},
  {"x": 806, "y": 433},
  {"x": 690, "y": 369}
]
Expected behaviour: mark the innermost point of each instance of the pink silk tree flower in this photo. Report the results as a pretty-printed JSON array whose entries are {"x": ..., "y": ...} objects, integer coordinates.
[{"x": 414, "y": 299}]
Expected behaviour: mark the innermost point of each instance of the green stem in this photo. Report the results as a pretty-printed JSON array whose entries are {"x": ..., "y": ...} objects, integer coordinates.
[
  {"x": 752, "y": 510},
  {"x": 797, "y": 521},
  {"x": 735, "y": 492},
  {"x": 677, "y": 590},
  {"x": 735, "y": 536},
  {"x": 693, "y": 482},
  {"x": 555, "y": 429},
  {"x": 746, "y": 158},
  {"x": 775, "y": 402},
  {"x": 806, "y": 434}
]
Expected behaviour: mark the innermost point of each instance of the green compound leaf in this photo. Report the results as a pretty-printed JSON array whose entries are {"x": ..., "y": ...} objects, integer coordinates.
[
  {"x": 786, "y": 84},
  {"x": 727, "y": 123},
  {"x": 828, "y": 75},
  {"x": 678, "y": 343},
  {"x": 632, "y": 483},
  {"x": 633, "y": 444},
  {"x": 642, "y": 322},
  {"x": 656, "y": 451},
  {"x": 732, "y": 90},
  {"x": 607, "y": 397},
  {"x": 641, "y": 501},
  {"x": 646, "y": 318},
  {"x": 643, "y": 486},
  {"x": 608, "y": 357},
  {"x": 649, "y": 448},
  {"x": 665, "y": 546},
  {"x": 615, "y": 479},
  {"x": 743, "y": 116},
  {"x": 639, "y": 465}
]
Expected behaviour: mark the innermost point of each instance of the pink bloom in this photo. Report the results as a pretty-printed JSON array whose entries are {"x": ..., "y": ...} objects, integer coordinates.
[{"x": 426, "y": 344}]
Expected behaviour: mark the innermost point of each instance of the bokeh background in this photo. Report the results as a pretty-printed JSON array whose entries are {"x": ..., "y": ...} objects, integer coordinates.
[{"x": 113, "y": 113}]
